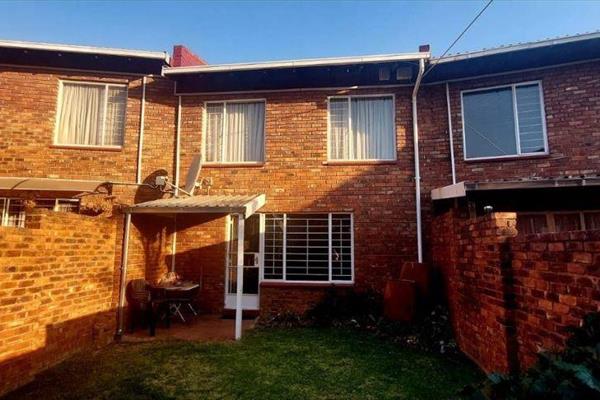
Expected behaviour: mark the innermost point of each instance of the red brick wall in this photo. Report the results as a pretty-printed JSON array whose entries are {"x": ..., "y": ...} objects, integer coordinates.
[
  {"x": 56, "y": 291},
  {"x": 200, "y": 257},
  {"x": 296, "y": 178},
  {"x": 557, "y": 282},
  {"x": 511, "y": 296},
  {"x": 572, "y": 106},
  {"x": 296, "y": 300},
  {"x": 28, "y": 100}
]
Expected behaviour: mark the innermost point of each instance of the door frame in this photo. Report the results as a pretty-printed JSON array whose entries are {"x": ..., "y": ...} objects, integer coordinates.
[{"x": 249, "y": 301}]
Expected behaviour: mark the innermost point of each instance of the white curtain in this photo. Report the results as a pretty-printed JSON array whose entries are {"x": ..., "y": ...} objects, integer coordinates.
[
  {"x": 235, "y": 132},
  {"x": 362, "y": 128},
  {"x": 339, "y": 134},
  {"x": 214, "y": 131},
  {"x": 373, "y": 128},
  {"x": 83, "y": 119},
  {"x": 114, "y": 124}
]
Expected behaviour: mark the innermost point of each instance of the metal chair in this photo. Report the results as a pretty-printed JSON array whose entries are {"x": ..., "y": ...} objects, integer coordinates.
[{"x": 139, "y": 302}]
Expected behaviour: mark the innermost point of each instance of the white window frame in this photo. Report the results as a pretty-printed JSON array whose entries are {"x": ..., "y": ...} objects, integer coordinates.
[
  {"x": 59, "y": 200},
  {"x": 349, "y": 98},
  {"x": 324, "y": 282},
  {"x": 59, "y": 109},
  {"x": 513, "y": 87},
  {"x": 205, "y": 127},
  {"x": 4, "y": 213}
]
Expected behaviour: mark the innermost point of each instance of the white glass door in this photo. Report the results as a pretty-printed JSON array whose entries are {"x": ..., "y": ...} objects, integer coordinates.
[{"x": 252, "y": 263}]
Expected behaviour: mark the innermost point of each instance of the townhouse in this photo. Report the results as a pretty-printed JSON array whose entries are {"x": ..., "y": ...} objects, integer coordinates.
[{"x": 314, "y": 173}]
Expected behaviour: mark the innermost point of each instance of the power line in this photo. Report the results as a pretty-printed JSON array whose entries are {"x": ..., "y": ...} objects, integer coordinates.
[{"x": 459, "y": 37}]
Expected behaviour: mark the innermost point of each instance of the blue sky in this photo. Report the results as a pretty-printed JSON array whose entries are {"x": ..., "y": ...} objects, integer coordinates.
[{"x": 231, "y": 31}]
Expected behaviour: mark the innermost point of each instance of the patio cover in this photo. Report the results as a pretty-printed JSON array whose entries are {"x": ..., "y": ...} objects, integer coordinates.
[
  {"x": 50, "y": 184},
  {"x": 245, "y": 205},
  {"x": 242, "y": 205},
  {"x": 461, "y": 189}
]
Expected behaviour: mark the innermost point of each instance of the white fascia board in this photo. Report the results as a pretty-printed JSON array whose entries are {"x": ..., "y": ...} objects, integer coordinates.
[
  {"x": 315, "y": 62},
  {"x": 449, "y": 192},
  {"x": 516, "y": 47},
  {"x": 159, "y": 55}
]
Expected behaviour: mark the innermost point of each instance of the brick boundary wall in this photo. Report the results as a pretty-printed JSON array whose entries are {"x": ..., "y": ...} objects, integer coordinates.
[
  {"x": 511, "y": 296},
  {"x": 56, "y": 291}
]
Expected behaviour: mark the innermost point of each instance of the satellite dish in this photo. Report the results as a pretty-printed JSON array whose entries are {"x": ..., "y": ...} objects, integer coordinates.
[{"x": 192, "y": 175}]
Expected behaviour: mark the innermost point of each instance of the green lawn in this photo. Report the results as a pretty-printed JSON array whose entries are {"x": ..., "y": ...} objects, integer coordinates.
[{"x": 266, "y": 364}]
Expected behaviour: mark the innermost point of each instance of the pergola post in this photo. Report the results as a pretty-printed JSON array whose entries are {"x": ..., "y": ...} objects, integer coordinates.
[{"x": 240, "y": 276}]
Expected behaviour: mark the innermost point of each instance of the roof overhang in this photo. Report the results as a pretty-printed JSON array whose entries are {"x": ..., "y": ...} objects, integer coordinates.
[
  {"x": 82, "y": 57},
  {"x": 49, "y": 184},
  {"x": 343, "y": 72},
  {"x": 522, "y": 56},
  {"x": 462, "y": 189},
  {"x": 233, "y": 204}
]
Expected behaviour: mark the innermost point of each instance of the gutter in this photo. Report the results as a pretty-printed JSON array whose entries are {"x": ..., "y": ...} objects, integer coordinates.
[
  {"x": 138, "y": 175},
  {"x": 314, "y": 62},
  {"x": 417, "y": 169},
  {"x": 450, "y": 134},
  {"x": 177, "y": 161},
  {"x": 123, "y": 277},
  {"x": 67, "y": 48}
]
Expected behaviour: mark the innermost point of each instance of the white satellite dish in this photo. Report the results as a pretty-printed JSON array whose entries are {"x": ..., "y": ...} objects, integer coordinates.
[{"x": 192, "y": 175}]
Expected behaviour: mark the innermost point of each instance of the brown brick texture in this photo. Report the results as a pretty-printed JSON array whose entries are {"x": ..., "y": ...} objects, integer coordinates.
[
  {"x": 56, "y": 291},
  {"x": 512, "y": 295}
]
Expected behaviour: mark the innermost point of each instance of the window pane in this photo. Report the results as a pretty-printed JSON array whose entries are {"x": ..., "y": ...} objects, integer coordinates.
[
  {"x": 341, "y": 247},
  {"x": 244, "y": 136},
  {"x": 567, "y": 222},
  {"x": 592, "y": 220},
  {"x": 489, "y": 123},
  {"x": 307, "y": 247},
  {"x": 532, "y": 223},
  {"x": 214, "y": 131},
  {"x": 81, "y": 114},
  {"x": 273, "y": 268},
  {"x": 531, "y": 130},
  {"x": 373, "y": 128},
  {"x": 339, "y": 139},
  {"x": 12, "y": 213},
  {"x": 114, "y": 125}
]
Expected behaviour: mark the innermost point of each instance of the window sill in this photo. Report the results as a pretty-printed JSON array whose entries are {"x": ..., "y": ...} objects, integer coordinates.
[
  {"x": 96, "y": 148},
  {"x": 234, "y": 165},
  {"x": 291, "y": 284},
  {"x": 359, "y": 162},
  {"x": 507, "y": 158}
]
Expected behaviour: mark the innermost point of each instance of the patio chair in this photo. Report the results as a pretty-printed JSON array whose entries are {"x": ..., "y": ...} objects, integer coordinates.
[{"x": 138, "y": 299}]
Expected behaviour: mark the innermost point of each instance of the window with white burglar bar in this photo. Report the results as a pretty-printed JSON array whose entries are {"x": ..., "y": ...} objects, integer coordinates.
[{"x": 309, "y": 247}]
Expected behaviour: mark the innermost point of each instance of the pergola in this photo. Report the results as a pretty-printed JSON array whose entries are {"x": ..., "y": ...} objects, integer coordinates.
[{"x": 241, "y": 205}]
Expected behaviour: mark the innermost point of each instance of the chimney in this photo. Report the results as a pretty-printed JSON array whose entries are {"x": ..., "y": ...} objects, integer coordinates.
[
  {"x": 183, "y": 57},
  {"x": 424, "y": 48}
]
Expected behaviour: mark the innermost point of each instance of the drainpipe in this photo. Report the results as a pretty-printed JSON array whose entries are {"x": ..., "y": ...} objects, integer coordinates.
[
  {"x": 127, "y": 220},
  {"x": 417, "y": 169},
  {"x": 123, "y": 277},
  {"x": 177, "y": 151},
  {"x": 450, "y": 134},
  {"x": 138, "y": 175}
]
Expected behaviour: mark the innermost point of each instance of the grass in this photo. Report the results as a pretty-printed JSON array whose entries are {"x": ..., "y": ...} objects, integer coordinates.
[{"x": 266, "y": 364}]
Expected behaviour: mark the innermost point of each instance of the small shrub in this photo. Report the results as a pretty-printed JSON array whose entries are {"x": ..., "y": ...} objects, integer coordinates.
[
  {"x": 573, "y": 373},
  {"x": 430, "y": 331}
]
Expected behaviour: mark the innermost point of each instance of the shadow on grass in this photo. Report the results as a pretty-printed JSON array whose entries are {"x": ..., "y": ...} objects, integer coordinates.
[{"x": 303, "y": 363}]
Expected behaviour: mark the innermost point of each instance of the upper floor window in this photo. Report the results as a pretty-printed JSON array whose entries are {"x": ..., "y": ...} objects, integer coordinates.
[
  {"x": 234, "y": 131},
  {"x": 504, "y": 121},
  {"x": 91, "y": 114},
  {"x": 361, "y": 128}
]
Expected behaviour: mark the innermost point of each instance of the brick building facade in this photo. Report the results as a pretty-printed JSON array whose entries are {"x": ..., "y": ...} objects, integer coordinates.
[{"x": 362, "y": 209}]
